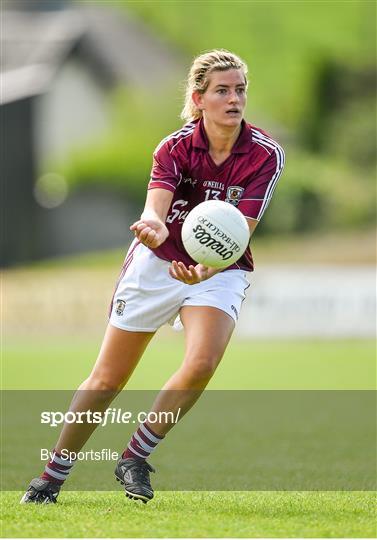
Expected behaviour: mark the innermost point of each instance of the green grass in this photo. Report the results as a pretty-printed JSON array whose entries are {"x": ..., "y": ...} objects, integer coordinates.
[
  {"x": 247, "y": 365},
  {"x": 198, "y": 515}
]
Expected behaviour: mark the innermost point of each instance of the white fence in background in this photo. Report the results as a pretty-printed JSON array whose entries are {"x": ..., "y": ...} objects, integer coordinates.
[{"x": 316, "y": 301}]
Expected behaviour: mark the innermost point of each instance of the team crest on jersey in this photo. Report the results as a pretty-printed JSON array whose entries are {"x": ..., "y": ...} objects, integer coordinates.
[
  {"x": 121, "y": 304},
  {"x": 233, "y": 194}
]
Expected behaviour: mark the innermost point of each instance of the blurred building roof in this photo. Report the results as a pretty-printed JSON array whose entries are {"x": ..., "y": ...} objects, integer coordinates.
[{"x": 118, "y": 49}]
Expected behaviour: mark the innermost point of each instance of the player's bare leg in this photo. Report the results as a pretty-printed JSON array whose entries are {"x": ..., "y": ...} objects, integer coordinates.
[
  {"x": 208, "y": 331},
  {"x": 119, "y": 355},
  {"x": 117, "y": 359}
]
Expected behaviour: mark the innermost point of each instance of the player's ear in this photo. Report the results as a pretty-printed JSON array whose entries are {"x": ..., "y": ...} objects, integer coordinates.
[{"x": 197, "y": 98}]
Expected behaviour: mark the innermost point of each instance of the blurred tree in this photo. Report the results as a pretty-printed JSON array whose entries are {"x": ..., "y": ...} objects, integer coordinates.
[
  {"x": 312, "y": 77},
  {"x": 341, "y": 118}
]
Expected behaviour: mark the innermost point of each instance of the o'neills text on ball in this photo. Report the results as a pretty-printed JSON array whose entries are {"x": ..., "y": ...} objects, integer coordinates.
[
  {"x": 217, "y": 232},
  {"x": 207, "y": 240}
]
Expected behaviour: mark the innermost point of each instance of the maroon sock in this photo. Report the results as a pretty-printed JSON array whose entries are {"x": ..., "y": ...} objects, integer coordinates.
[
  {"x": 142, "y": 443},
  {"x": 57, "y": 469}
]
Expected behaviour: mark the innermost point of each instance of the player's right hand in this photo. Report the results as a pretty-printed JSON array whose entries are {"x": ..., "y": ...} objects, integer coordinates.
[
  {"x": 150, "y": 232},
  {"x": 191, "y": 275}
]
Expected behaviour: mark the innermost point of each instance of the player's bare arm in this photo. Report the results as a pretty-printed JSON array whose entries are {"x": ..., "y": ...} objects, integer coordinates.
[
  {"x": 195, "y": 274},
  {"x": 150, "y": 229},
  {"x": 252, "y": 225}
]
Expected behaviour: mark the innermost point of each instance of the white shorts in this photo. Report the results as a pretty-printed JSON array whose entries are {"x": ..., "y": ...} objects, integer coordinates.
[{"x": 147, "y": 297}]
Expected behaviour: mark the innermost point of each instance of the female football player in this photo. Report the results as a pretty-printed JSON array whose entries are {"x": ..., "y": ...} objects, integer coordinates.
[{"x": 215, "y": 155}]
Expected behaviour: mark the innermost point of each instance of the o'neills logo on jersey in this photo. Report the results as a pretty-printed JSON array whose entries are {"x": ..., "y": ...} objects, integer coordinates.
[{"x": 212, "y": 236}]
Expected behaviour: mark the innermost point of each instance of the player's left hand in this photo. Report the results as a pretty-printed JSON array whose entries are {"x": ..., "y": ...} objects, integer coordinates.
[{"x": 192, "y": 274}]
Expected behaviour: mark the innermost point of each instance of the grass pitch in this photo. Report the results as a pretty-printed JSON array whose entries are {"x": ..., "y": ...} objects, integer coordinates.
[
  {"x": 198, "y": 515},
  {"x": 247, "y": 365}
]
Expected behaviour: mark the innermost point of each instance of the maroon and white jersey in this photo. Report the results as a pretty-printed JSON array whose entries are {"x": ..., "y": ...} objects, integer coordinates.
[{"x": 246, "y": 179}]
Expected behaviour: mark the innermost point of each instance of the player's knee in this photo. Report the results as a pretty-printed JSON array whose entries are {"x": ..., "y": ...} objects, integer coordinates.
[
  {"x": 201, "y": 368},
  {"x": 101, "y": 384}
]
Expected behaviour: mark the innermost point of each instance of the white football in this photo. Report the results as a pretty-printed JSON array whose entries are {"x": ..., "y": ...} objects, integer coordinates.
[{"x": 215, "y": 233}]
